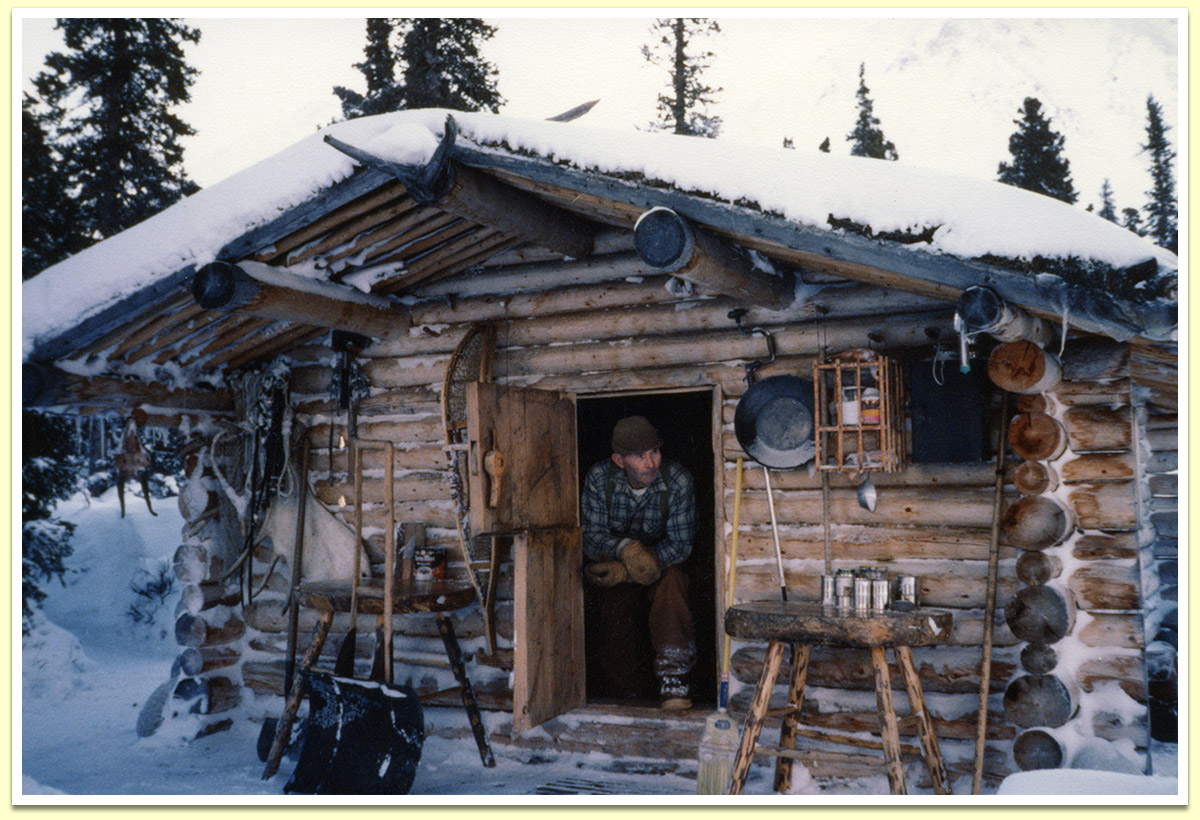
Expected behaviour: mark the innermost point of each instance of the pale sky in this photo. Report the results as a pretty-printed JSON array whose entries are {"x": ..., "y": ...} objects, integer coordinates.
[{"x": 946, "y": 89}]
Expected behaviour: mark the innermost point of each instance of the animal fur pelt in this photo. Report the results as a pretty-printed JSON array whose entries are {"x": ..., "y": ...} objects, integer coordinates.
[{"x": 328, "y": 543}]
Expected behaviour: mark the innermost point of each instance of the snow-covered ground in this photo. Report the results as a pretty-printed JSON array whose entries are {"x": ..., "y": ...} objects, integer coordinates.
[{"x": 87, "y": 669}]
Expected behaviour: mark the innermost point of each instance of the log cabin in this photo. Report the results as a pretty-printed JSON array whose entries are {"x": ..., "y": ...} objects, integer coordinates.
[{"x": 461, "y": 285}]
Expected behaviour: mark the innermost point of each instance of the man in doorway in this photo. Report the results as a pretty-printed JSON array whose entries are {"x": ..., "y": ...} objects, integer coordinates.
[{"x": 639, "y": 522}]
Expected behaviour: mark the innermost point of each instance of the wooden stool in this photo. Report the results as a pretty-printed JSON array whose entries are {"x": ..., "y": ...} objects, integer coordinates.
[
  {"x": 803, "y": 624},
  {"x": 409, "y": 596}
]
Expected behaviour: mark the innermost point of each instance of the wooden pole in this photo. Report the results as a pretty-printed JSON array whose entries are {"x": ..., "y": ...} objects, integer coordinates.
[
  {"x": 989, "y": 615},
  {"x": 775, "y": 534}
]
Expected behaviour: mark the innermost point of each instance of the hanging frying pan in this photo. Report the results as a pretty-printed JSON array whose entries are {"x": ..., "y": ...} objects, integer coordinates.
[{"x": 774, "y": 419}]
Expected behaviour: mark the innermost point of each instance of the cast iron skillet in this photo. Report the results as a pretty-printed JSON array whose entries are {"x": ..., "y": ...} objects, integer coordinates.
[{"x": 774, "y": 422}]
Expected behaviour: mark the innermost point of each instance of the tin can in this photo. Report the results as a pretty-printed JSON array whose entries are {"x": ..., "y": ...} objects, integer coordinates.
[
  {"x": 828, "y": 590},
  {"x": 880, "y": 594},
  {"x": 429, "y": 563},
  {"x": 862, "y": 594},
  {"x": 844, "y": 588},
  {"x": 908, "y": 590}
]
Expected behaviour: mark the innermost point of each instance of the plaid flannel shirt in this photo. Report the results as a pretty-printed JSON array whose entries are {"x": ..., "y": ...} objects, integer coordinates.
[{"x": 607, "y": 523}]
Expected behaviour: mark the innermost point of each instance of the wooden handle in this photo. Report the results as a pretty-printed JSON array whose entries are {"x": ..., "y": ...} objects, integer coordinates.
[{"x": 493, "y": 464}]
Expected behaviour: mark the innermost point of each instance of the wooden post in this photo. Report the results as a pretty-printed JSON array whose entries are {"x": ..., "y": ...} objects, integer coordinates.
[
  {"x": 284, "y": 728},
  {"x": 791, "y": 721},
  {"x": 929, "y": 744}
]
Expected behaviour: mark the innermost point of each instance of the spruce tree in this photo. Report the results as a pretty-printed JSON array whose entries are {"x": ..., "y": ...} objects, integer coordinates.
[
  {"x": 379, "y": 69},
  {"x": 678, "y": 50},
  {"x": 49, "y": 474},
  {"x": 112, "y": 91},
  {"x": 1037, "y": 163},
  {"x": 1108, "y": 208},
  {"x": 1132, "y": 221},
  {"x": 443, "y": 67},
  {"x": 867, "y": 137},
  {"x": 824, "y": 146},
  {"x": 50, "y": 223},
  {"x": 1162, "y": 216}
]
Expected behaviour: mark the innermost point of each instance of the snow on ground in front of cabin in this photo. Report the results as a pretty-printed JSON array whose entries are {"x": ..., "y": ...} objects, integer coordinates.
[{"x": 87, "y": 669}]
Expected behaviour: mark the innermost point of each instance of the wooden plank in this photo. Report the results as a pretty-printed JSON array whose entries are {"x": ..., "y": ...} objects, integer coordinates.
[{"x": 548, "y": 677}]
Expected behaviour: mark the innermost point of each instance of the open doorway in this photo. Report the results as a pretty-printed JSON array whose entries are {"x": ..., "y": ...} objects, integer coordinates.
[{"x": 684, "y": 421}]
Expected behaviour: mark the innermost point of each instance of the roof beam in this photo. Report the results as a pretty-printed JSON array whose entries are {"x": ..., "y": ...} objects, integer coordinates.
[
  {"x": 666, "y": 241},
  {"x": 276, "y": 293},
  {"x": 480, "y": 197},
  {"x": 46, "y": 386}
]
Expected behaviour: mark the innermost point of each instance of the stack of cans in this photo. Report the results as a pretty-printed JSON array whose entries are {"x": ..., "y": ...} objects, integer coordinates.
[{"x": 868, "y": 589}]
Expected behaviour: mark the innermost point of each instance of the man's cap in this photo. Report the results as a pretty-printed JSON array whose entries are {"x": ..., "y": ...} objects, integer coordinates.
[{"x": 634, "y": 435}]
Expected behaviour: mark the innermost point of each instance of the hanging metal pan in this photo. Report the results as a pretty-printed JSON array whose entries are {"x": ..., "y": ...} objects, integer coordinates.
[{"x": 774, "y": 422}]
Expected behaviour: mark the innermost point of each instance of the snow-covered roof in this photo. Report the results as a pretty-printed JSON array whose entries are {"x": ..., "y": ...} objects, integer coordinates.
[{"x": 956, "y": 217}]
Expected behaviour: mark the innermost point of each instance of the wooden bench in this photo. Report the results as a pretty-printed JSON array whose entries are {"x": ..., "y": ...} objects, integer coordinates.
[{"x": 801, "y": 625}]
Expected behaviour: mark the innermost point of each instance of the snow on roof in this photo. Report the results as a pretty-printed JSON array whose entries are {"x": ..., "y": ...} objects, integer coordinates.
[{"x": 974, "y": 218}]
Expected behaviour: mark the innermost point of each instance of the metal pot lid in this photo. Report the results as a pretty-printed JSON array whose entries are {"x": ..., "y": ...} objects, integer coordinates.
[{"x": 774, "y": 422}]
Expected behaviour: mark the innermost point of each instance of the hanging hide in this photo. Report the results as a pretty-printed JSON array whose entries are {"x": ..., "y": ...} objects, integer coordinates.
[
  {"x": 328, "y": 543},
  {"x": 132, "y": 461}
]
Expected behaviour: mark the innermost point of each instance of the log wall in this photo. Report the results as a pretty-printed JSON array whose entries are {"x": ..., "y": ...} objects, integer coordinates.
[
  {"x": 1081, "y": 608},
  {"x": 628, "y": 333}
]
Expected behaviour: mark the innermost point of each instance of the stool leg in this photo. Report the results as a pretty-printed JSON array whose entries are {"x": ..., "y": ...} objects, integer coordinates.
[
  {"x": 889, "y": 732},
  {"x": 284, "y": 728},
  {"x": 454, "y": 655},
  {"x": 754, "y": 720},
  {"x": 791, "y": 721},
  {"x": 929, "y": 742}
]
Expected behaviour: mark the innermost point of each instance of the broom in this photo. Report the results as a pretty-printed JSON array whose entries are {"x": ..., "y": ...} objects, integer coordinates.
[{"x": 719, "y": 741}]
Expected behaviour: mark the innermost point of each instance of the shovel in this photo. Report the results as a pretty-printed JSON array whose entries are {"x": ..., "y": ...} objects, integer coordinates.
[{"x": 344, "y": 665}]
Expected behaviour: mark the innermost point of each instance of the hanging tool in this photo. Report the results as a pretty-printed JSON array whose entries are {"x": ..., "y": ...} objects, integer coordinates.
[
  {"x": 989, "y": 614},
  {"x": 775, "y": 534},
  {"x": 344, "y": 666}
]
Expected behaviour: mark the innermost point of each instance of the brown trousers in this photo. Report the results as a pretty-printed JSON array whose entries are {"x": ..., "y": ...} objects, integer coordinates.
[{"x": 626, "y": 612}]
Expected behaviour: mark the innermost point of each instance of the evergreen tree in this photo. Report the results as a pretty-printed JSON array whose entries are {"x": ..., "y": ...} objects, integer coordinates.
[
  {"x": 379, "y": 68},
  {"x": 1108, "y": 209},
  {"x": 867, "y": 137},
  {"x": 1162, "y": 216},
  {"x": 49, "y": 474},
  {"x": 49, "y": 220},
  {"x": 788, "y": 142},
  {"x": 1132, "y": 221},
  {"x": 824, "y": 146},
  {"x": 443, "y": 67},
  {"x": 684, "y": 110},
  {"x": 1037, "y": 163},
  {"x": 111, "y": 92}
]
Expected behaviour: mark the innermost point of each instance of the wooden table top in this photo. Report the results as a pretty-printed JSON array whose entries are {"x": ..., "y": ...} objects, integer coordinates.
[
  {"x": 409, "y": 596},
  {"x": 810, "y": 622}
]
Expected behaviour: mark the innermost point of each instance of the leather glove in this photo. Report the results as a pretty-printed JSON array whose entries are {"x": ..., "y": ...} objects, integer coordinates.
[
  {"x": 605, "y": 573},
  {"x": 643, "y": 565}
]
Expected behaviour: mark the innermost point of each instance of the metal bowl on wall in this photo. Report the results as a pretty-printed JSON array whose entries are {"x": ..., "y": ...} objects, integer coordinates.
[{"x": 774, "y": 422}]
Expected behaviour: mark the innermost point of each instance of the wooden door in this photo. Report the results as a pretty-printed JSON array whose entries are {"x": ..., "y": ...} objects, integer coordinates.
[
  {"x": 535, "y": 497},
  {"x": 548, "y": 656},
  {"x": 521, "y": 459}
]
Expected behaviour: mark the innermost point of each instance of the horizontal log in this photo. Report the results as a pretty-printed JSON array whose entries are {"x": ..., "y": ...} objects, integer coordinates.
[
  {"x": 1034, "y": 567},
  {"x": 193, "y": 630},
  {"x": 859, "y": 544},
  {"x": 423, "y": 430},
  {"x": 1039, "y": 614},
  {"x": 1111, "y": 545},
  {"x": 1104, "y": 629},
  {"x": 913, "y": 475},
  {"x": 1023, "y": 367},
  {"x": 1163, "y": 439},
  {"x": 1037, "y": 436},
  {"x": 1034, "y": 478},
  {"x": 45, "y": 386},
  {"x": 198, "y": 597},
  {"x": 1079, "y": 393},
  {"x": 960, "y": 586},
  {"x": 1103, "y": 586},
  {"x": 1098, "y": 429},
  {"x": 1100, "y": 506},
  {"x": 1039, "y": 700},
  {"x": 213, "y": 695},
  {"x": 1034, "y": 522},
  {"x": 1127, "y": 671},
  {"x": 1164, "y": 486},
  {"x": 1038, "y": 749},
  {"x": 200, "y": 660},
  {"x": 1099, "y": 467},
  {"x": 908, "y": 506},
  {"x": 958, "y": 727},
  {"x": 412, "y": 487},
  {"x": 946, "y": 670},
  {"x": 1038, "y": 658},
  {"x": 193, "y": 564}
]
